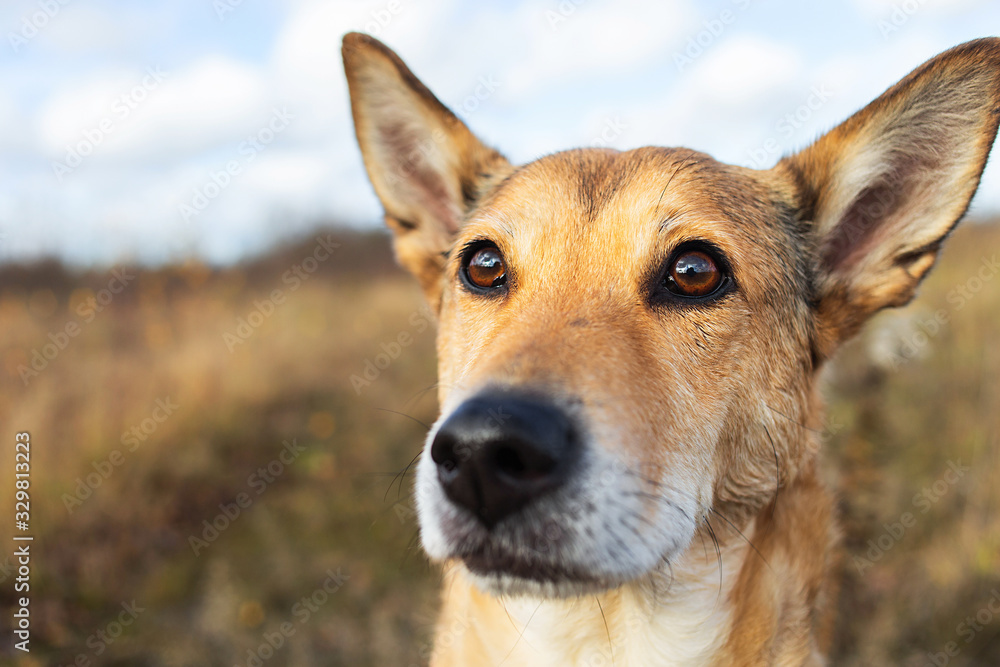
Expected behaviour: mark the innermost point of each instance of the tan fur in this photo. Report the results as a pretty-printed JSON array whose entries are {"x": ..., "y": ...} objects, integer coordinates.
[{"x": 708, "y": 413}]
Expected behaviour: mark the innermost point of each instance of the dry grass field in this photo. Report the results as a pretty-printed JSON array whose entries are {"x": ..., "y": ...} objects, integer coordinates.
[{"x": 209, "y": 486}]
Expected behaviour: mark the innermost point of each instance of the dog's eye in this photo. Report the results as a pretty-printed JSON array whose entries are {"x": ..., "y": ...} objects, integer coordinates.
[
  {"x": 485, "y": 268},
  {"x": 693, "y": 273}
]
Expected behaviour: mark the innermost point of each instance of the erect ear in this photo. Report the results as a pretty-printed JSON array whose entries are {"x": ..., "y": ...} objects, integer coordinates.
[
  {"x": 884, "y": 188},
  {"x": 426, "y": 166}
]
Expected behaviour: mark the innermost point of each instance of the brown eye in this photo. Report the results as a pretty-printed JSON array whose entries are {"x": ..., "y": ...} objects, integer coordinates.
[
  {"x": 694, "y": 273},
  {"x": 485, "y": 268}
]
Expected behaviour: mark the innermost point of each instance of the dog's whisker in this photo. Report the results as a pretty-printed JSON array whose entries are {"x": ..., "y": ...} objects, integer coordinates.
[
  {"x": 711, "y": 532},
  {"x": 421, "y": 393},
  {"x": 411, "y": 547},
  {"x": 611, "y": 647},
  {"x": 670, "y": 568},
  {"x": 797, "y": 423},
  {"x": 520, "y": 634},
  {"x": 704, "y": 547},
  {"x": 403, "y": 414},
  {"x": 777, "y": 475},
  {"x": 680, "y": 167},
  {"x": 740, "y": 533},
  {"x": 402, "y": 473},
  {"x": 718, "y": 555},
  {"x": 503, "y": 603}
]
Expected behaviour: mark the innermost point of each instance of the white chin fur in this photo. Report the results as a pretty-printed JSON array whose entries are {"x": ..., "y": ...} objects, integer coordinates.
[
  {"x": 432, "y": 505},
  {"x": 511, "y": 586},
  {"x": 596, "y": 533}
]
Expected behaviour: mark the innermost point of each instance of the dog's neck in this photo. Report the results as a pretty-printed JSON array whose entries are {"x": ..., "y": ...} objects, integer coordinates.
[
  {"x": 675, "y": 616},
  {"x": 748, "y": 602}
]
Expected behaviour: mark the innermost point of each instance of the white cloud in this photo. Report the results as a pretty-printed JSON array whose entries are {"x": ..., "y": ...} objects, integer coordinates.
[
  {"x": 742, "y": 69},
  {"x": 727, "y": 102},
  {"x": 597, "y": 38},
  {"x": 886, "y": 9},
  {"x": 214, "y": 101},
  {"x": 152, "y": 114},
  {"x": 83, "y": 29},
  {"x": 12, "y": 126}
]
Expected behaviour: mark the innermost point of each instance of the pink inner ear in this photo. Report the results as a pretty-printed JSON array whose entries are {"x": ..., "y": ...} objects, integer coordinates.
[
  {"x": 413, "y": 177},
  {"x": 878, "y": 212},
  {"x": 860, "y": 230}
]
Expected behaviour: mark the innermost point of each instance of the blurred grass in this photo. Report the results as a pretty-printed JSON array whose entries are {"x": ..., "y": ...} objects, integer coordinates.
[{"x": 893, "y": 428}]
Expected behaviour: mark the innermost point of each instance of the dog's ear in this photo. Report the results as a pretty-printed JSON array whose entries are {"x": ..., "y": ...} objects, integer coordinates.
[
  {"x": 424, "y": 163},
  {"x": 883, "y": 189}
]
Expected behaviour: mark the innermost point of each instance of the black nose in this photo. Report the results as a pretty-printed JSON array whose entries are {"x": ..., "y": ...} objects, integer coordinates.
[{"x": 498, "y": 452}]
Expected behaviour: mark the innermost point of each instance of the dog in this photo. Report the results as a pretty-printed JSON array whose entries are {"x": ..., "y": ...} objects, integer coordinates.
[{"x": 624, "y": 471}]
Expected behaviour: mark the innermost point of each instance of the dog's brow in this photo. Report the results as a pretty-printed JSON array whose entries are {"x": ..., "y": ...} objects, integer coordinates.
[
  {"x": 686, "y": 164},
  {"x": 681, "y": 217},
  {"x": 502, "y": 228},
  {"x": 665, "y": 186},
  {"x": 667, "y": 223}
]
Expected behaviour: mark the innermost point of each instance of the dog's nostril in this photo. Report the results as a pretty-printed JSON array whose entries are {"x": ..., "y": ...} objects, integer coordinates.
[
  {"x": 516, "y": 463},
  {"x": 508, "y": 462},
  {"x": 444, "y": 455}
]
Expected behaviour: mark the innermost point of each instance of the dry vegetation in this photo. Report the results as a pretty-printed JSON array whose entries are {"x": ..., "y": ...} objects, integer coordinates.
[{"x": 337, "y": 506}]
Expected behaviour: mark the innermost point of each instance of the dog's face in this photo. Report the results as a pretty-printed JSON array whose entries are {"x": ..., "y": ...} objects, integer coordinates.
[
  {"x": 651, "y": 319},
  {"x": 628, "y": 340}
]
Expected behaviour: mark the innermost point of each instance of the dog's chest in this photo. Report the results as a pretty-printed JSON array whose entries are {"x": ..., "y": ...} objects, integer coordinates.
[{"x": 685, "y": 631}]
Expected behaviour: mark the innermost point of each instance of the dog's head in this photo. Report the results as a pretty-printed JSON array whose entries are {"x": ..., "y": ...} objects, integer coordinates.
[{"x": 628, "y": 341}]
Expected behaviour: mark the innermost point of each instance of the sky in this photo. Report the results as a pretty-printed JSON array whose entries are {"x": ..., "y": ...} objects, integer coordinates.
[{"x": 153, "y": 131}]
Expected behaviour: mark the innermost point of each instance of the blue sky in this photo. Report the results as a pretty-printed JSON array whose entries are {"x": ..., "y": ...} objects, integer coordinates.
[{"x": 163, "y": 97}]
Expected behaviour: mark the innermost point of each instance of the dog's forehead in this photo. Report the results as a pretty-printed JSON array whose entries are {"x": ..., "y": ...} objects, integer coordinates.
[
  {"x": 624, "y": 204},
  {"x": 582, "y": 186}
]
